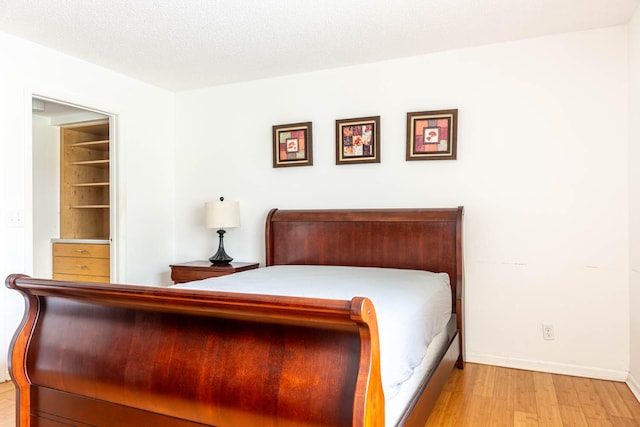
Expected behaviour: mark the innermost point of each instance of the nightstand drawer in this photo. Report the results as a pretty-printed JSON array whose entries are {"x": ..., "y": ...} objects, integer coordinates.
[
  {"x": 80, "y": 265},
  {"x": 80, "y": 250}
]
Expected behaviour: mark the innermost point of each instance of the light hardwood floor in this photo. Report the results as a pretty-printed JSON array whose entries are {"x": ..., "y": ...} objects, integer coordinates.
[
  {"x": 482, "y": 395},
  {"x": 490, "y": 396},
  {"x": 7, "y": 405}
]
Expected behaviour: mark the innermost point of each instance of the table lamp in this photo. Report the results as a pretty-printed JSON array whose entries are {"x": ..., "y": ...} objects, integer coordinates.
[{"x": 221, "y": 215}]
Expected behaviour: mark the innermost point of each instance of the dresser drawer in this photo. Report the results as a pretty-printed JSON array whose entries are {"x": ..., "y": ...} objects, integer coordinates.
[
  {"x": 80, "y": 250},
  {"x": 81, "y": 266},
  {"x": 83, "y": 262}
]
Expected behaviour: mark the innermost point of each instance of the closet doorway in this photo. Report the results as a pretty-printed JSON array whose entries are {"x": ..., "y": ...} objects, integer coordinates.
[{"x": 73, "y": 192}]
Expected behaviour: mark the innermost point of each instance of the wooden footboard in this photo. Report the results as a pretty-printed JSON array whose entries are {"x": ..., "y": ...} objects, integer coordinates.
[{"x": 121, "y": 355}]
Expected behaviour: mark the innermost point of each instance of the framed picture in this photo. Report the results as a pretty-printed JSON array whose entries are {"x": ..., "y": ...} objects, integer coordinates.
[
  {"x": 358, "y": 141},
  {"x": 292, "y": 145},
  {"x": 432, "y": 135}
]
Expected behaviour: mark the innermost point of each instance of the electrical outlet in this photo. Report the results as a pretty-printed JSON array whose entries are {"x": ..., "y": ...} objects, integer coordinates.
[{"x": 547, "y": 332}]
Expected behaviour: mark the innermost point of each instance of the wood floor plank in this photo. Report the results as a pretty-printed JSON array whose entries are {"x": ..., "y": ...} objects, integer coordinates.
[
  {"x": 446, "y": 413},
  {"x": 7, "y": 404},
  {"x": 477, "y": 404},
  {"x": 525, "y": 398},
  {"x": 565, "y": 390},
  {"x": 629, "y": 399},
  {"x": 485, "y": 381},
  {"x": 500, "y": 413},
  {"x": 477, "y": 412},
  {"x": 599, "y": 422},
  {"x": 572, "y": 416},
  {"x": 547, "y": 406},
  {"x": 464, "y": 397},
  {"x": 589, "y": 399},
  {"x": 624, "y": 422},
  {"x": 611, "y": 399},
  {"x": 503, "y": 401},
  {"x": 439, "y": 414},
  {"x": 505, "y": 384},
  {"x": 525, "y": 419}
]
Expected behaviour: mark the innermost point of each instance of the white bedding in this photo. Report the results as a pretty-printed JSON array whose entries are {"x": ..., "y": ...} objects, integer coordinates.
[{"x": 412, "y": 307}]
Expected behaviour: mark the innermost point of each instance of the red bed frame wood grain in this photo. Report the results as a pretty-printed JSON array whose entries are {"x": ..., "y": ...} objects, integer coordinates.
[{"x": 124, "y": 355}]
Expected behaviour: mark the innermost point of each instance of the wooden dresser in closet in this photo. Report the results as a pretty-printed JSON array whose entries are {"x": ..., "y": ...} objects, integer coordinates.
[
  {"x": 82, "y": 251},
  {"x": 85, "y": 262}
]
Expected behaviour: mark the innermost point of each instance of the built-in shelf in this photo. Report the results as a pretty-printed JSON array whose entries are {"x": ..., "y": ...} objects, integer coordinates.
[
  {"x": 85, "y": 178},
  {"x": 91, "y": 184},
  {"x": 96, "y": 163},
  {"x": 93, "y": 145},
  {"x": 90, "y": 206}
]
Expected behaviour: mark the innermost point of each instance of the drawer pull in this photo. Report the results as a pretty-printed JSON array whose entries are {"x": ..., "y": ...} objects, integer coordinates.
[
  {"x": 80, "y": 266},
  {"x": 81, "y": 250}
]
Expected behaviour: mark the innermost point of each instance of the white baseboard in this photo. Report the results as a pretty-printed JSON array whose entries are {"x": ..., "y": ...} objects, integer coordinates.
[
  {"x": 634, "y": 386},
  {"x": 550, "y": 367}
]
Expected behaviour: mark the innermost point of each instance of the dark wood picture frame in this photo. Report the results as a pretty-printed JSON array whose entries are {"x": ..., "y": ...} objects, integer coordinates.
[
  {"x": 293, "y": 145},
  {"x": 432, "y": 135},
  {"x": 358, "y": 140}
]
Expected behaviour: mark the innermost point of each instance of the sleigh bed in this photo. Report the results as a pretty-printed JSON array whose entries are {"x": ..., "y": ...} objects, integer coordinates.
[{"x": 114, "y": 355}]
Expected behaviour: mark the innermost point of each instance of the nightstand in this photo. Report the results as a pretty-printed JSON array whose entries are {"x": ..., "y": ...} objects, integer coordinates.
[{"x": 198, "y": 270}]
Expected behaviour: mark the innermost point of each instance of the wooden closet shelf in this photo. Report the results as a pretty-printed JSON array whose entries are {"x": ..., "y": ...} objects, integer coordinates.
[
  {"x": 90, "y": 206},
  {"x": 102, "y": 145},
  {"x": 96, "y": 163},
  {"x": 91, "y": 184}
]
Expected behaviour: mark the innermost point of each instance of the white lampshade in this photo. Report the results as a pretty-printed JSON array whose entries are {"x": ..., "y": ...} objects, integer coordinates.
[{"x": 222, "y": 214}]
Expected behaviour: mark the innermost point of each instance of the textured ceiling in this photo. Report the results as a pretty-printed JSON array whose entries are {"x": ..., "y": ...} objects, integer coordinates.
[{"x": 188, "y": 44}]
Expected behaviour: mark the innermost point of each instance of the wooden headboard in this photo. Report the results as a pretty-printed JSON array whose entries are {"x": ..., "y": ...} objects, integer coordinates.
[{"x": 419, "y": 239}]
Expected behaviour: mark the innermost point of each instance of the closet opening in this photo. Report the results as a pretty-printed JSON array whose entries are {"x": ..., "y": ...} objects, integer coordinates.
[{"x": 73, "y": 192}]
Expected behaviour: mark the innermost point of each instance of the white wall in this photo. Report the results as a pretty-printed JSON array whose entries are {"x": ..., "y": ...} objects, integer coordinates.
[
  {"x": 145, "y": 135},
  {"x": 634, "y": 200},
  {"x": 542, "y": 172},
  {"x": 45, "y": 150}
]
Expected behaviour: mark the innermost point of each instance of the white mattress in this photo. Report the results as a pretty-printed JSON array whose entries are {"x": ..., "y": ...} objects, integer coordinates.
[{"x": 402, "y": 298}]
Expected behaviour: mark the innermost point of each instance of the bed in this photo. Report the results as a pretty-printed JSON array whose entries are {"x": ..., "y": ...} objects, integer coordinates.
[{"x": 91, "y": 354}]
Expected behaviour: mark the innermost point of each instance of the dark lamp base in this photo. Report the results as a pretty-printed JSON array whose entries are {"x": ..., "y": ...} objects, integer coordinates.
[{"x": 220, "y": 257}]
